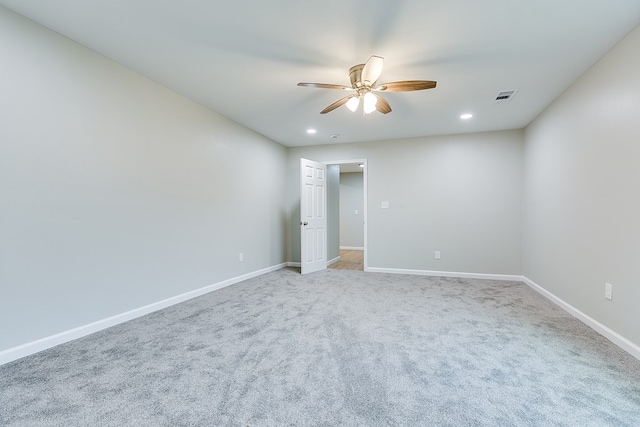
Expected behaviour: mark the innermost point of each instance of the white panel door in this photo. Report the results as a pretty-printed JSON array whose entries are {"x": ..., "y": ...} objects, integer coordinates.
[{"x": 313, "y": 216}]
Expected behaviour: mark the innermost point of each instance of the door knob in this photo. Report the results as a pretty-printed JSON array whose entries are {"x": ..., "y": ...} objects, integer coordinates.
[{"x": 304, "y": 223}]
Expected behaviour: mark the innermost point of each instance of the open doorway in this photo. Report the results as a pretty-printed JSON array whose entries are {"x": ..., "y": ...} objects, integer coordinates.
[{"x": 346, "y": 216}]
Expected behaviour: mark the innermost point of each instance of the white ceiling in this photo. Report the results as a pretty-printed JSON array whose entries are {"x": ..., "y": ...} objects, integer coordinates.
[{"x": 244, "y": 58}]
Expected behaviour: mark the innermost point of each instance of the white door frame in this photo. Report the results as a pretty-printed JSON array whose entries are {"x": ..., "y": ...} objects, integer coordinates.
[{"x": 364, "y": 208}]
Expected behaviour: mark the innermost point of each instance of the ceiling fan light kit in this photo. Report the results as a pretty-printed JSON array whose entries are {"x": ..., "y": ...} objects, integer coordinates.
[
  {"x": 363, "y": 79},
  {"x": 369, "y": 103},
  {"x": 352, "y": 103}
]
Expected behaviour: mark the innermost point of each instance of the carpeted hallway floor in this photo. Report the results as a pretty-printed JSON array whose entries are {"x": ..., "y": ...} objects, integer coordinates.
[{"x": 334, "y": 348}]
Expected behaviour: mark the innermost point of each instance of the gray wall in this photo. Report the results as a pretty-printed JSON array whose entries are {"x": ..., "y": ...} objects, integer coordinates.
[
  {"x": 582, "y": 192},
  {"x": 333, "y": 212},
  {"x": 351, "y": 200},
  {"x": 116, "y": 192},
  {"x": 459, "y": 194}
]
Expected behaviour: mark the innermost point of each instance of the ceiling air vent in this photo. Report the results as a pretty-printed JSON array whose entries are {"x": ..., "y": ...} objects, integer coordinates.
[{"x": 505, "y": 96}]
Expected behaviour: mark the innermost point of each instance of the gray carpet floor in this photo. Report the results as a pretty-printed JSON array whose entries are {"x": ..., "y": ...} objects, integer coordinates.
[{"x": 333, "y": 348}]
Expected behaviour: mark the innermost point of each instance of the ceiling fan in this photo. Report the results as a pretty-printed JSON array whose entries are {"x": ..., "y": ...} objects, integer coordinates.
[{"x": 363, "y": 80}]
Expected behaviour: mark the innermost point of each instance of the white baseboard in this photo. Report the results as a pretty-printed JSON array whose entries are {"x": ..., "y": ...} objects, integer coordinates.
[
  {"x": 611, "y": 335},
  {"x": 352, "y": 248},
  {"x": 24, "y": 350},
  {"x": 27, "y": 349},
  {"x": 445, "y": 274},
  {"x": 333, "y": 261}
]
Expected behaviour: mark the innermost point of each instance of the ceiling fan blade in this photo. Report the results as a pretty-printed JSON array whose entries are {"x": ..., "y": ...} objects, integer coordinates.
[
  {"x": 337, "y": 104},
  {"x": 372, "y": 70},
  {"x": 382, "y": 105},
  {"x": 325, "y": 86},
  {"x": 405, "y": 86}
]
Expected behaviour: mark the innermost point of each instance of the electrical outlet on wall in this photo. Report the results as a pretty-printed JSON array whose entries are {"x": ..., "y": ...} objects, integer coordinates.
[
  {"x": 608, "y": 291},
  {"x": 437, "y": 254},
  {"x": 240, "y": 257}
]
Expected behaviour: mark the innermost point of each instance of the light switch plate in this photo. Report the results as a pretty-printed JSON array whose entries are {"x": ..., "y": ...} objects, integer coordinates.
[{"x": 385, "y": 205}]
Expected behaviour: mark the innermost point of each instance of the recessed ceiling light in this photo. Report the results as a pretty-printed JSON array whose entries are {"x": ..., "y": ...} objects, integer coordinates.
[
  {"x": 466, "y": 116},
  {"x": 311, "y": 131}
]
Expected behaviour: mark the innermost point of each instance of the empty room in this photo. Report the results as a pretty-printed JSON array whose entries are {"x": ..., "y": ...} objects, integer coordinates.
[{"x": 416, "y": 213}]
